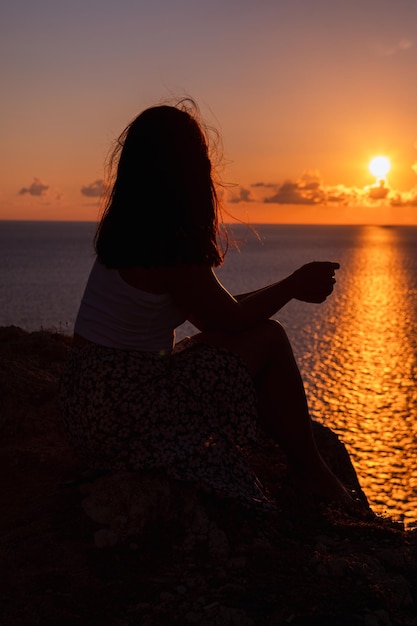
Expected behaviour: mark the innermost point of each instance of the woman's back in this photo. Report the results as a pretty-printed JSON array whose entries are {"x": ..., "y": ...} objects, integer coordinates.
[{"x": 128, "y": 309}]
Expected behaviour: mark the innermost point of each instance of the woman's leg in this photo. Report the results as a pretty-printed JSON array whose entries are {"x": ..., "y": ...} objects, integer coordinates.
[{"x": 283, "y": 407}]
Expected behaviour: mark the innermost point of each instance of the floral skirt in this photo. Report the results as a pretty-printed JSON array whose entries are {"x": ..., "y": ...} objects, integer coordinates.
[{"x": 189, "y": 413}]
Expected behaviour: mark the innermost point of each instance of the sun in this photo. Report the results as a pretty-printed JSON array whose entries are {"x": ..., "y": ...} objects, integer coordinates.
[{"x": 379, "y": 167}]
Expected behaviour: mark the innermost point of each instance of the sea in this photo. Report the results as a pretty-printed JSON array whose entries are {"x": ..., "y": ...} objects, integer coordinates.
[{"x": 357, "y": 351}]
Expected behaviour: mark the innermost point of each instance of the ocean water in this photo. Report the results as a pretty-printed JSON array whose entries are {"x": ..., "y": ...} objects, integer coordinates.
[{"x": 357, "y": 352}]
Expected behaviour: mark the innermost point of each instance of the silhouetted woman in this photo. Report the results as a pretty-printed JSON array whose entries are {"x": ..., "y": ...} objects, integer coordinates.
[{"x": 132, "y": 398}]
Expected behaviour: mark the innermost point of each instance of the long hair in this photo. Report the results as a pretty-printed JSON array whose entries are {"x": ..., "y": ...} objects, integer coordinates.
[{"x": 162, "y": 208}]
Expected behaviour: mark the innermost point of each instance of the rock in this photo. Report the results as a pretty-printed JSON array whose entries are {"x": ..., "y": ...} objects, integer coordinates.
[
  {"x": 300, "y": 566},
  {"x": 126, "y": 502},
  {"x": 337, "y": 457}
]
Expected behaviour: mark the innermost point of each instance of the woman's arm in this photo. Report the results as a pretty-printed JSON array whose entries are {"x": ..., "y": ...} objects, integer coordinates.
[
  {"x": 242, "y": 296},
  {"x": 209, "y": 306}
]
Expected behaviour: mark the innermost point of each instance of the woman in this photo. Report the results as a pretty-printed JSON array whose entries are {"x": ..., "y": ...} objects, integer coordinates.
[{"x": 131, "y": 398}]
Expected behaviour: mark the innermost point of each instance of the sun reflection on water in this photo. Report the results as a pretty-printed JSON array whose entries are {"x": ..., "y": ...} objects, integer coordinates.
[{"x": 371, "y": 401}]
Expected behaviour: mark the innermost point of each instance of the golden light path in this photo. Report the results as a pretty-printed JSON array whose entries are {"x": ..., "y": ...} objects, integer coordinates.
[{"x": 365, "y": 388}]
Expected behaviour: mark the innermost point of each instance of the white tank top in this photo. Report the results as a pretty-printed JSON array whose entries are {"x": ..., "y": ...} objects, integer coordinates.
[{"x": 116, "y": 315}]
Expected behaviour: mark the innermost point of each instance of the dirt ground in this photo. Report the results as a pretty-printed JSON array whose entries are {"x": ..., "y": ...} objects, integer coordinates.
[{"x": 205, "y": 563}]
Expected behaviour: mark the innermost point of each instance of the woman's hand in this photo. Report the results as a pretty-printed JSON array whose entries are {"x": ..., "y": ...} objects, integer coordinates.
[{"x": 314, "y": 282}]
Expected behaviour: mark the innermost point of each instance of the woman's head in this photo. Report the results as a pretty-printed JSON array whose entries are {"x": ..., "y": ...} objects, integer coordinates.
[{"x": 162, "y": 207}]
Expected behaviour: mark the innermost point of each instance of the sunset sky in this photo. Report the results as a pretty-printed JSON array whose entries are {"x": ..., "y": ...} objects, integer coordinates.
[{"x": 304, "y": 92}]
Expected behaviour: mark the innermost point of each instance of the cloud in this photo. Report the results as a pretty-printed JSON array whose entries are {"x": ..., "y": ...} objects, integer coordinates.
[
  {"x": 264, "y": 185},
  {"x": 310, "y": 190},
  {"x": 390, "y": 49},
  {"x": 290, "y": 193},
  {"x": 306, "y": 190},
  {"x": 379, "y": 191},
  {"x": 243, "y": 195},
  {"x": 404, "y": 198},
  {"x": 37, "y": 188},
  {"x": 93, "y": 190}
]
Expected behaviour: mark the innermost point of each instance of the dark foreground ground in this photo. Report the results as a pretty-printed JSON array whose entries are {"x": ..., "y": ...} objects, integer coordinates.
[{"x": 189, "y": 560}]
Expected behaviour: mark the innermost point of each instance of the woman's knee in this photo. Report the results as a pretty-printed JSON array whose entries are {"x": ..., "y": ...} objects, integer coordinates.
[
  {"x": 265, "y": 344},
  {"x": 275, "y": 328},
  {"x": 259, "y": 344},
  {"x": 260, "y": 337},
  {"x": 272, "y": 334}
]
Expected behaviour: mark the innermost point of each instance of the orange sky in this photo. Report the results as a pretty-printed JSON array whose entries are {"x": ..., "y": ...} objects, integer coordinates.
[{"x": 304, "y": 95}]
